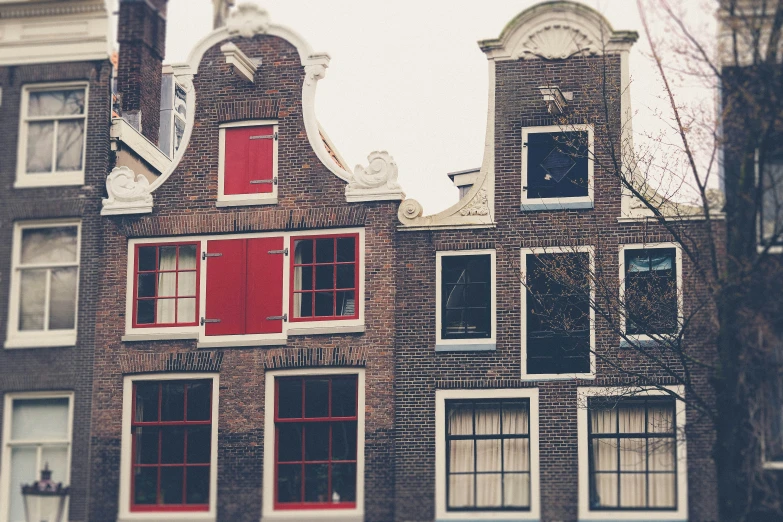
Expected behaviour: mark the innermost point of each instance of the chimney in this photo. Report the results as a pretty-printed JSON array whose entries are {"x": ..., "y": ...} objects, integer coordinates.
[{"x": 141, "y": 33}]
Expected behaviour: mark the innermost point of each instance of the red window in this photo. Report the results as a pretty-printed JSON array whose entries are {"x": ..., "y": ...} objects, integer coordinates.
[
  {"x": 172, "y": 445},
  {"x": 166, "y": 285},
  {"x": 325, "y": 277},
  {"x": 249, "y": 166},
  {"x": 244, "y": 286},
  {"x": 315, "y": 442}
]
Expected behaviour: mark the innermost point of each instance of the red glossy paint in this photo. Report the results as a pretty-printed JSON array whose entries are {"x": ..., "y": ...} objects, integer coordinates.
[
  {"x": 264, "y": 285},
  {"x": 226, "y": 286},
  {"x": 248, "y": 159}
]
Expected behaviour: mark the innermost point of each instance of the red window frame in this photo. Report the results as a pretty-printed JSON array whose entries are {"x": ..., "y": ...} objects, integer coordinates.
[
  {"x": 334, "y": 290},
  {"x": 157, "y": 271},
  {"x": 308, "y": 420},
  {"x": 159, "y": 465}
]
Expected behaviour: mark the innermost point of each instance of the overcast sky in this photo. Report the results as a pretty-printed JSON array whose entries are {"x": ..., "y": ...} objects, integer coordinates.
[{"x": 408, "y": 77}]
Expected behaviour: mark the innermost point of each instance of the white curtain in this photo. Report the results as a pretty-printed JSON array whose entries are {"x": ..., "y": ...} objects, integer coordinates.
[
  {"x": 298, "y": 276},
  {"x": 186, "y": 284},
  {"x": 488, "y": 486},
  {"x": 167, "y": 284}
]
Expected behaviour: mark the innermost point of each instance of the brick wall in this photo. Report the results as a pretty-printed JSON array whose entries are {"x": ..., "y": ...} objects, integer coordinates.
[
  {"x": 70, "y": 368},
  {"x": 310, "y": 197},
  {"x": 420, "y": 370}
]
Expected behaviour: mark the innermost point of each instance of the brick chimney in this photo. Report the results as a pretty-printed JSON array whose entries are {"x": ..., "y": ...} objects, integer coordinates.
[{"x": 141, "y": 33}]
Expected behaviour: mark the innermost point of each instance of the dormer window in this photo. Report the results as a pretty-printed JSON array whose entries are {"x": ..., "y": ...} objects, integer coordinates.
[
  {"x": 557, "y": 167},
  {"x": 247, "y": 173}
]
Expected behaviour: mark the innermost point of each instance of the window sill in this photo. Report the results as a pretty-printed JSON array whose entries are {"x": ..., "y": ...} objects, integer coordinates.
[
  {"x": 556, "y": 376},
  {"x": 465, "y": 347},
  {"x": 498, "y": 516},
  {"x": 326, "y": 330},
  {"x": 42, "y": 341},
  {"x": 532, "y": 205},
  {"x": 240, "y": 341},
  {"x": 773, "y": 465},
  {"x": 162, "y": 336},
  {"x": 296, "y": 515},
  {"x": 168, "y": 516},
  {"x": 635, "y": 516},
  {"x": 644, "y": 341},
  {"x": 246, "y": 202},
  {"x": 61, "y": 180}
]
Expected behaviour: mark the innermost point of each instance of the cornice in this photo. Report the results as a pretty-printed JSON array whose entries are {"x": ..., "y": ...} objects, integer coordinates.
[{"x": 46, "y": 10}]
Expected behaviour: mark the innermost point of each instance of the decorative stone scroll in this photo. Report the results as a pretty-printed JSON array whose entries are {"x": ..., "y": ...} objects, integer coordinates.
[
  {"x": 248, "y": 20},
  {"x": 129, "y": 193},
  {"x": 376, "y": 182}
]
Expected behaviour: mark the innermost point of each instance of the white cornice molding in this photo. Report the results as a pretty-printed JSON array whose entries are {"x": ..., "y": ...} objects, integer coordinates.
[
  {"x": 121, "y": 131},
  {"x": 243, "y": 66},
  {"x": 555, "y": 31},
  {"x": 50, "y": 9}
]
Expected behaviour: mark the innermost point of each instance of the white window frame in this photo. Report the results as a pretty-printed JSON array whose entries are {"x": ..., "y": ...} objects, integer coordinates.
[
  {"x": 269, "y": 513},
  {"x": 5, "y": 470},
  {"x": 237, "y": 200},
  {"x": 40, "y": 338},
  {"x": 126, "y": 452},
  {"x": 642, "y": 338},
  {"x": 585, "y": 513},
  {"x": 54, "y": 179},
  {"x": 581, "y": 202},
  {"x": 761, "y": 242},
  {"x": 523, "y": 312},
  {"x": 443, "y": 345},
  {"x": 215, "y": 341},
  {"x": 441, "y": 510}
]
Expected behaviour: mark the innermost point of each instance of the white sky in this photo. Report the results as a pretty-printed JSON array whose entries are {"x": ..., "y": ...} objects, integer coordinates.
[{"x": 408, "y": 77}]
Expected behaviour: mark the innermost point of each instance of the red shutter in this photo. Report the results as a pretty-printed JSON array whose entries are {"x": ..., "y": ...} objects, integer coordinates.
[
  {"x": 226, "y": 284},
  {"x": 264, "y": 285},
  {"x": 248, "y": 160}
]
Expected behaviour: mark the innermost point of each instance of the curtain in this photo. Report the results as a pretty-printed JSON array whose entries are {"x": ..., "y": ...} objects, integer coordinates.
[
  {"x": 488, "y": 486},
  {"x": 461, "y": 459},
  {"x": 186, "y": 284},
  {"x": 516, "y": 457},
  {"x": 167, "y": 284},
  {"x": 298, "y": 277}
]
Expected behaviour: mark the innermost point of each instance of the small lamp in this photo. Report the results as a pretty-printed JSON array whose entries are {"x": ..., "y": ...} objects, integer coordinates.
[{"x": 44, "y": 500}]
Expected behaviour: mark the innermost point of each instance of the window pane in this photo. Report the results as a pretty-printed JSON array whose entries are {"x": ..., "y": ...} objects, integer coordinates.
[
  {"x": 515, "y": 418},
  {"x": 171, "y": 485},
  {"x": 199, "y": 403},
  {"x": 603, "y": 421},
  {"x": 516, "y": 455},
  {"x": 605, "y": 494},
  {"x": 662, "y": 490},
  {"x": 32, "y": 297},
  {"x": 146, "y": 285},
  {"x": 346, "y": 276},
  {"x": 632, "y": 490},
  {"x": 49, "y": 245},
  {"x": 186, "y": 283},
  {"x": 198, "y": 485},
  {"x": 344, "y": 441},
  {"x": 303, "y": 305},
  {"x": 516, "y": 490},
  {"x": 165, "y": 311},
  {"x": 147, "y": 444},
  {"x": 461, "y": 456},
  {"x": 187, "y": 257},
  {"x": 460, "y": 419},
  {"x": 461, "y": 491},
  {"x": 488, "y": 490},
  {"x": 487, "y": 419},
  {"x": 345, "y": 303},
  {"x": 186, "y": 310},
  {"x": 40, "y": 142},
  {"x": 343, "y": 397},
  {"x": 289, "y": 398},
  {"x": 316, "y": 398},
  {"x": 167, "y": 284},
  {"x": 70, "y": 145},
  {"x": 303, "y": 278},
  {"x": 605, "y": 454},
  {"x": 145, "y": 486},
  {"x": 303, "y": 251},
  {"x": 145, "y": 312},
  {"x": 324, "y": 304},
  {"x": 557, "y": 164},
  {"x": 62, "y": 302},
  {"x": 173, "y": 402},
  {"x": 62, "y": 102},
  {"x": 39, "y": 419},
  {"x": 488, "y": 455},
  {"x": 289, "y": 483},
  {"x": 57, "y": 458},
  {"x": 147, "y": 258},
  {"x": 343, "y": 483},
  {"x": 660, "y": 418},
  {"x": 23, "y": 471},
  {"x": 317, "y": 441},
  {"x": 316, "y": 482},
  {"x": 172, "y": 448},
  {"x": 631, "y": 419},
  {"x": 289, "y": 442},
  {"x": 661, "y": 454},
  {"x": 147, "y": 401},
  {"x": 633, "y": 454},
  {"x": 346, "y": 249},
  {"x": 324, "y": 277},
  {"x": 324, "y": 250}
]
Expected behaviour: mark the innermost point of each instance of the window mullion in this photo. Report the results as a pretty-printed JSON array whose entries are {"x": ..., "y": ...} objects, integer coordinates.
[{"x": 47, "y": 299}]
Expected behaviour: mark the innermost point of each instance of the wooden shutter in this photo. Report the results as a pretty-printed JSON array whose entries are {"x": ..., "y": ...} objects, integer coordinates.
[
  {"x": 226, "y": 287},
  {"x": 249, "y": 160},
  {"x": 264, "y": 285}
]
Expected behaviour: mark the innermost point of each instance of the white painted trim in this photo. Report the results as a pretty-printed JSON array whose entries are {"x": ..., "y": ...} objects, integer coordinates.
[
  {"x": 268, "y": 489},
  {"x": 267, "y": 198},
  {"x": 40, "y": 338},
  {"x": 441, "y": 512},
  {"x": 680, "y": 288},
  {"x": 123, "y": 132},
  {"x": 125, "y": 514},
  {"x": 289, "y": 328},
  {"x": 54, "y": 179},
  {"x": 5, "y": 448},
  {"x": 585, "y": 513},
  {"x": 559, "y": 203},
  {"x": 523, "y": 312},
  {"x": 444, "y": 344},
  {"x": 243, "y": 66}
]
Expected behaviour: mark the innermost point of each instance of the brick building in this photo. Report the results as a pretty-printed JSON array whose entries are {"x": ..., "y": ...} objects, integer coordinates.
[{"x": 264, "y": 334}]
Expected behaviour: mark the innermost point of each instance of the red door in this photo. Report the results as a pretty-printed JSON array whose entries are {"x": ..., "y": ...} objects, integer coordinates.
[
  {"x": 264, "y": 285},
  {"x": 249, "y": 160}
]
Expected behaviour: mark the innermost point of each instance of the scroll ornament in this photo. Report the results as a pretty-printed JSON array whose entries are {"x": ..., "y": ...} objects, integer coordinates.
[
  {"x": 377, "y": 181},
  {"x": 129, "y": 193}
]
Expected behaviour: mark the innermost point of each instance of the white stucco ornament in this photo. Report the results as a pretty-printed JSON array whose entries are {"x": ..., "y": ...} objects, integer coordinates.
[
  {"x": 557, "y": 42},
  {"x": 248, "y": 20},
  {"x": 478, "y": 206},
  {"x": 409, "y": 209},
  {"x": 376, "y": 182},
  {"x": 128, "y": 192}
]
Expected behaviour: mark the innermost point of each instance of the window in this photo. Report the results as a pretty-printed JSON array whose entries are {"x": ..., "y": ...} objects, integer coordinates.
[
  {"x": 325, "y": 278},
  {"x": 314, "y": 443},
  {"x": 166, "y": 285},
  {"x": 557, "y": 167},
  {"x": 247, "y": 171},
  {"x": 44, "y": 285},
  {"x": 771, "y": 218},
  {"x": 632, "y": 454},
  {"x": 558, "y": 319},
  {"x": 51, "y": 138},
  {"x": 486, "y": 454},
  {"x": 37, "y": 432},
  {"x": 650, "y": 290},
  {"x": 169, "y": 446}
]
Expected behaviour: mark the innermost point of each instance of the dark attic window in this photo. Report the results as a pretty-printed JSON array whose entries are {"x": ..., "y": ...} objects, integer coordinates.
[{"x": 557, "y": 165}]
